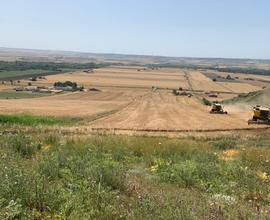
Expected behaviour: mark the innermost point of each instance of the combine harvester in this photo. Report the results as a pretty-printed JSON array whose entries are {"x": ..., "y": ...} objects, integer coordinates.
[
  {"x": 261, "y": 115},
  {"x": 217, "y": 108}
]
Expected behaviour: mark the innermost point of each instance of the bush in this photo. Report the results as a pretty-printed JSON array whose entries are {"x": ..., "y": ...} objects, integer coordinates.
[
  {"x": 66, "y": 84},
  {"x": 206, "y": 101}
]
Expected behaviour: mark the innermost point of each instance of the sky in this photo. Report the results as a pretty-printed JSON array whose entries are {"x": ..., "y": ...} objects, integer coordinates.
[{"x": 183, "y": 28}]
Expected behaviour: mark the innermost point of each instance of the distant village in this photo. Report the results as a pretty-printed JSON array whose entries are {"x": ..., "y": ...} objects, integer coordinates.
[{"x": 56, "y": 88}]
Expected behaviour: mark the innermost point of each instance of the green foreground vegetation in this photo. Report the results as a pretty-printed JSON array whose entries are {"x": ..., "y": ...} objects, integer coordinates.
[
  {"x": 47, "y": 173},
  {"x": 31, "y": 120}
]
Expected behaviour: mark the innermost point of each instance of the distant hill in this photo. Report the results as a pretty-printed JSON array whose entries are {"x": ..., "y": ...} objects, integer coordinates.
[{"x": 13, "y": 54}]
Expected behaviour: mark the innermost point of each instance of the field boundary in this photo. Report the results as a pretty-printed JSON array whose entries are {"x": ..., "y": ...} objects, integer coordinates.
[{"x": 177, "y": 130}]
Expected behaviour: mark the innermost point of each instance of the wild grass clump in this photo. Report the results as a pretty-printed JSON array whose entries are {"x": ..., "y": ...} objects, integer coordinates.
[
  {"x": 25, "y": 145},
  {"x": 225, "y": 143}
]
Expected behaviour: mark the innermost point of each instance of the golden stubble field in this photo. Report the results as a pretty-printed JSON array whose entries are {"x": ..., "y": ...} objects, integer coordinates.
[
  {"x": 200, "y": 82},
  {"x": 130, "y": 77},
  {"x": 126, "y": 101}
]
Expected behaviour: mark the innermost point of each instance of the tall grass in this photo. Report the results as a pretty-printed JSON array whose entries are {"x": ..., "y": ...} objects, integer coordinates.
[{"x": 47, "y": 176}]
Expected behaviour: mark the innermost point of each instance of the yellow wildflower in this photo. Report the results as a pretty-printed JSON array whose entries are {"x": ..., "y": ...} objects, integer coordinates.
[
  {"x": 231, "y": 152},
  {"x": 154, "y": 168},
  {"x": 262, "y": 175},
  {"x": 228, "y": 155},
  {"x": 46, "y": 147}
]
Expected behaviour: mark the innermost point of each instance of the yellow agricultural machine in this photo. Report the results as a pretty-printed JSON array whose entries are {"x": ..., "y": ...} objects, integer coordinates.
[
  {"x": 261, "y": 115},
  {"x": 217, "y": 108}
]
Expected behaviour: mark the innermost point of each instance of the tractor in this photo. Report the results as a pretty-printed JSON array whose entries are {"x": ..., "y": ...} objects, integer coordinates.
[
  {"x": 217, "y": 108},
  {"x": 261, "y": 115}
]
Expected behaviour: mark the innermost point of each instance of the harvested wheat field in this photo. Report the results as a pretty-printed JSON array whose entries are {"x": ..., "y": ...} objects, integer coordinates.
[
  {"x": 68, "y": 105},
  {"x": 4, "y": 87},
  {"x": 126, "y": 101},
  {"x": 239, "y": 87},
  {"x": 117, "y": 77},
  {"x": 163, "y": 111},
  {"x": 199, "y": 81}
]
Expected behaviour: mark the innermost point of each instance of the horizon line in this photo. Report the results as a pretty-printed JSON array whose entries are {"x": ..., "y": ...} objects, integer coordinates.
[{"x": 127, "y": 54}]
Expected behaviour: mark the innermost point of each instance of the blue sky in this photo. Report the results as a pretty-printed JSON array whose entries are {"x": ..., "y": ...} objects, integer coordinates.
[{"x": 190, "y": 28}]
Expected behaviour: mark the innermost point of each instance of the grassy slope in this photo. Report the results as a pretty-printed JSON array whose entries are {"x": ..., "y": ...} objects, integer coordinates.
[
  {"x": 253, "y": 98},
  {"x": 20, "y": 95},
  {"x": 48, "y": 175},
  {"x": 244, "y": 98}
]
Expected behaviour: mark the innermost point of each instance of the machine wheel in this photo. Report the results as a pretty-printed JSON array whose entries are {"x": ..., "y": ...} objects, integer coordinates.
[
  {"x": 250, "y": 121},
  {"x": 254, "y": 118}
]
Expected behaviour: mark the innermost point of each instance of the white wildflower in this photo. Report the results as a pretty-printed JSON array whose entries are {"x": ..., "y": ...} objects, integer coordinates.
[{"x": 220, "y": 199}]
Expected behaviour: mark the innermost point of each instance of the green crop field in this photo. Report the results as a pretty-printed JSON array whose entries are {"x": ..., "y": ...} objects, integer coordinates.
[
  {"x": 19, "y": 69},
  {"x": 47, "y": 173},
  {"x": 15, "y": 74}
]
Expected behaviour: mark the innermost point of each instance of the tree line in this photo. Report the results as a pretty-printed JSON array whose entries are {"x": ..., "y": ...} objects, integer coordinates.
[
  {"x": 50, "y": 66},
  {"x": 244, "y": 70}
]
